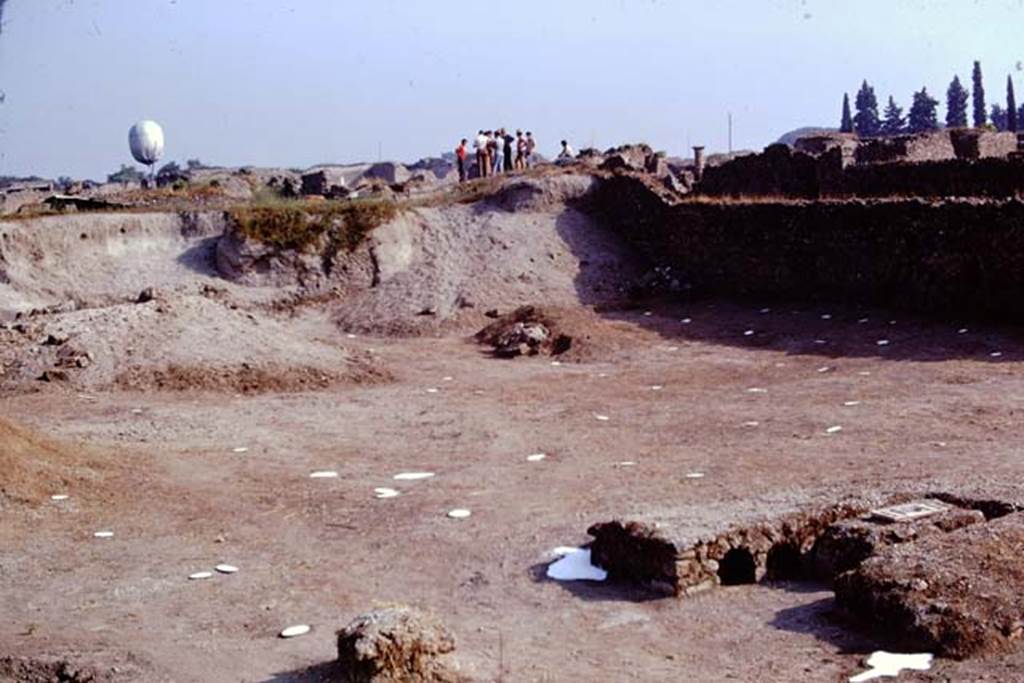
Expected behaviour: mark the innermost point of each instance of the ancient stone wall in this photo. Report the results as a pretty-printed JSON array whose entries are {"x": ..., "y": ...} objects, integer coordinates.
[
  {"x": 953, "y": 256},
  {"x": 782, "y": 172}
]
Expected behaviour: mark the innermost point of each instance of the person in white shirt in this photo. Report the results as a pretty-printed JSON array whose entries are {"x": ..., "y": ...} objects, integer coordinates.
[
  {"x": 567, "y": 152},
  {"x": 499, "y": 151},
  {"x": 482, "y": 157}
]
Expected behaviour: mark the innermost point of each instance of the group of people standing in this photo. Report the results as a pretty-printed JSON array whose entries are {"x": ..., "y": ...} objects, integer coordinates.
[{"x": 496, "y": 154}]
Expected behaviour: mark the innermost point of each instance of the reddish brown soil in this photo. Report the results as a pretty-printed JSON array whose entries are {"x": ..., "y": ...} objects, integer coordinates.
[{"x": 936, "y": 411}]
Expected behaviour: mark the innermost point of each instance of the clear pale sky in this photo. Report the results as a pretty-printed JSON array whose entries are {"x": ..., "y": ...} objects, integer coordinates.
[{"x": 300, "y": 82}]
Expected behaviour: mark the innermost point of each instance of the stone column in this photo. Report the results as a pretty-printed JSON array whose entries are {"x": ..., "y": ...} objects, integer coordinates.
[{"x": 698, "y": 162}]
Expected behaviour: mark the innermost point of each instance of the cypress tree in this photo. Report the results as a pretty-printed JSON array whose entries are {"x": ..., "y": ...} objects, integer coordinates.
[
  {"x": 998, "y": 117},
  {"x": 866, "y": 120},
  {"x": 846, "y": 125},
  {"x": 893, "y": 123},
  {"x": 923, "y": 117},
  {"x": 1011, "y": 106},
  {"x": 956, "y": 105},
  {"x": 978, "y": 96}
]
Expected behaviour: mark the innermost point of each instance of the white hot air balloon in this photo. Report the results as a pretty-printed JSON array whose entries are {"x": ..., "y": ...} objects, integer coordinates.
[{"x": 146, "y": 140}]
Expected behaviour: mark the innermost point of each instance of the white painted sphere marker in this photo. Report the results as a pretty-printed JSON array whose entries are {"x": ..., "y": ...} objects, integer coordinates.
[
  {"x": 459, "y": 513},
  {"x": 59, "y": 496},
  {"x": 226, "y": 568},
  {"x": 294, "y": 631},
  {"x": 383, "y": 492},
  {"x": 413, "y": 476},
  {"x": 104, "y": 534},
  {"x": 198, "y": 576},
  {"x": 323, "y": 474},
  {"x": 536, "y": 457}
]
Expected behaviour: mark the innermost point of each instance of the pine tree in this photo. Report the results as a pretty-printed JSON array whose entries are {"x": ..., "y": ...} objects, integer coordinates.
[
  {"x": 1011, "y": 106},
  {"x": 846, "y": 125},
  {"x": 923, "y": 116},
  {"x": 978, "y": 96},
  {"x": 998, "y": 117},
  {"x": 956, "y": 105},
  {"x": 866, "y": 121},
  {"x": 894, "y": 123}
]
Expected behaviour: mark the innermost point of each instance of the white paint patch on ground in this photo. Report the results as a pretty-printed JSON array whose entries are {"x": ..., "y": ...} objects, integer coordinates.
[
  {"x": 821, "y": 341},
  {"x": 459, "y": 513},
  {"x": 226, "y": 568},
  {"x": 432, "y": 390},
  {"x": 751, "y": 423},
  {"x": 890, "y": 665},
  {"x": 757, "y": 390},
  {"x": 686, "y": 321},
  {"x": 323, "y": 474},
  {"x": 383, "y": 492},
  {"x": 574, "y": 565},
  {"x": 850, "y": 404},
  {"x": 240, "y": 449},
  {"x": 626, "y": 463},
  {"x": 657, "y": 387},
  {"x": 694, "y": 475},
  {"x": 103, "y": 534},
  {"x": 824, "y": 368},
  {"x": 882, "y": 342},
  {"x": 199, "y": 576},
  {"x": 834, "y": 429},
  {"x": 295, "y": 631},
  {"x": 536, "y": 457},
  {"x": 59, "y": 496},
  {"x": 748, "y": 333},
  {"x": 962, "y": 330},
  {"x": 996, "y": 354},
  {"x": 413, "y": 476},
  {"x": 602, "y": 418}
]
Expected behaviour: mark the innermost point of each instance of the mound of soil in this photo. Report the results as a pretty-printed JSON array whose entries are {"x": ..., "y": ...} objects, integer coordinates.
[
  {"x": 957, "y": 595},
  {"x": 574, "y": 334},
  {"x": 178, "y": 342}
]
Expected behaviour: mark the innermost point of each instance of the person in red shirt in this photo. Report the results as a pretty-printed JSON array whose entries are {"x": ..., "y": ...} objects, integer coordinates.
[{"x": 460, "y": 155}]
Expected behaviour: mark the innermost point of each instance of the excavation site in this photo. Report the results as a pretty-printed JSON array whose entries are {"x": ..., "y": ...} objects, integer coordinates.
[
  {"x": 437, "y": 341},
  {"x": 605, "y": 420}
]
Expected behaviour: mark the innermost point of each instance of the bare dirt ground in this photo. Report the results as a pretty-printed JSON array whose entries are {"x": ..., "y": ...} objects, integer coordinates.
[
  {"x": 935, "y": 407},
  {"x": 159, "y": 467}
]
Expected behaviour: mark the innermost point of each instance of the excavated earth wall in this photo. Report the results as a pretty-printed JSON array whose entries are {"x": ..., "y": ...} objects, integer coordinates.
[{"x": 956, "y": 256}]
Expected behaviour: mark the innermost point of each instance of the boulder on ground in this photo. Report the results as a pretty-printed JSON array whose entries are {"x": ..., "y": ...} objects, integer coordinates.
[{"x": 396, "y": 644}]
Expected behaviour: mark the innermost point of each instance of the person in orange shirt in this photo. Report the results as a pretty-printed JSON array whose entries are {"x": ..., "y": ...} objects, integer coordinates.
[{"x": 460, "y": 155}]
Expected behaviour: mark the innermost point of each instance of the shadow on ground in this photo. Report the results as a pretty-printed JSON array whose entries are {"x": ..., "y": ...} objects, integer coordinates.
[
  {"x": 328, "y": 671},
  {"x": 839, "y": 330},
  {"x": 820, "y": 620}
]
